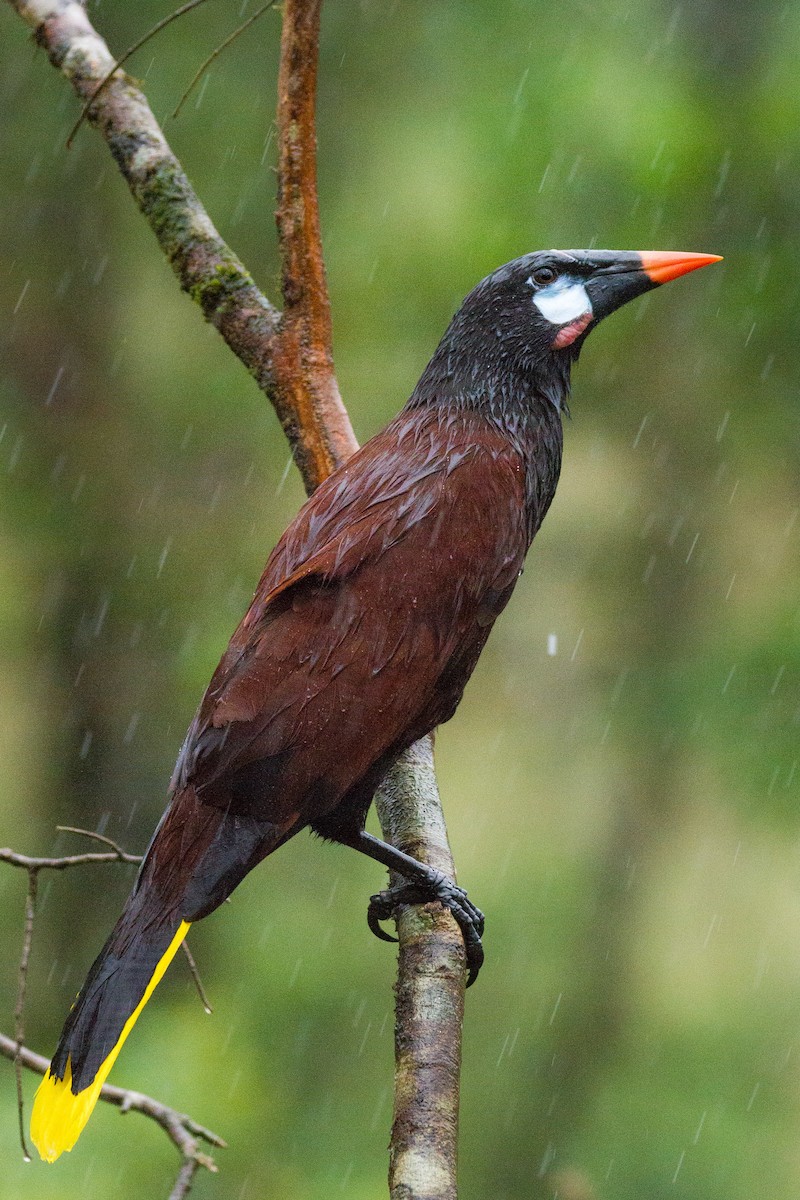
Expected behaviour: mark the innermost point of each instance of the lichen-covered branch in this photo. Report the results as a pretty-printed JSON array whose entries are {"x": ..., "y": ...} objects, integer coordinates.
[
  {"x": 430, "y": 994},
  {"x": 289, "y": 355}
]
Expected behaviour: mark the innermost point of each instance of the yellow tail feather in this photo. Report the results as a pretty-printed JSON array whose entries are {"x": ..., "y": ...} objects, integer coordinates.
[{"x": 59, "y": 1115}]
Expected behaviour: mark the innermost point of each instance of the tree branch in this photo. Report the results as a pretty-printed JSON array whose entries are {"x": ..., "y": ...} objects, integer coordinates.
[
  {"x": 423, "y": 1153},
  {"x": 290, "y": 358},
  {"x": 308, "y": 398},
  {"x": 294, "y": 369},
  {"x": 61, "y": 864}
]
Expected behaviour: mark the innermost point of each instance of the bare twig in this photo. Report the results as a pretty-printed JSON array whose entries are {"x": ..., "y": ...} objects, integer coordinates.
[
  {"x": 104, "y": 841},
  {"x": 19, "y": 1006},
  {"x": 201, "y": 70},
  {"x": 61, "y": 864},
  {"x": 195, "y": 974},
  {"x": 137, "y": 45}
]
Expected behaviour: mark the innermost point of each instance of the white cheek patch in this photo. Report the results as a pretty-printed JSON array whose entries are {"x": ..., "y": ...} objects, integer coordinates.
[{"x": 563, "y": 301}]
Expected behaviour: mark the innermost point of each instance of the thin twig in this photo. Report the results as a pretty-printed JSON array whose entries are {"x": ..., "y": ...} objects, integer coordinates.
[
  {"x": 61, "y": 864},
  {"x": 19, "y": 1007},
  {"x": 195, "y": 974},
  {"x": 96, "y": 837},
  {"x": 216, "y": 53},
  {"x": 162, "y": 24}
]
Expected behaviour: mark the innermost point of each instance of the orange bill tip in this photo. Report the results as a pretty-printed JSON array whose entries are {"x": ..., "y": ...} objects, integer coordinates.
[{"x": 662, "y": 265}]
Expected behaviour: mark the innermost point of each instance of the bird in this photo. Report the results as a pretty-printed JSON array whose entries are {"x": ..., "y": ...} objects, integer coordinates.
[{"x": 367, "y": 622}]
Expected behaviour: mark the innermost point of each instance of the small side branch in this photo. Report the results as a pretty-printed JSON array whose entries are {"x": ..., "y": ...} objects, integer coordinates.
[
  {"x": 69, "y": 860},
  {"x": 19, "y": 1007},
  {"x": 201, "y": 70}
]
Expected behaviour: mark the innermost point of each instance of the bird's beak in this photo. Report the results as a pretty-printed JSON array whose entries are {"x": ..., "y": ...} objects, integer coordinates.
[
  {"x": 620, "y": 276},
  {"x": 662, "y": 265}
]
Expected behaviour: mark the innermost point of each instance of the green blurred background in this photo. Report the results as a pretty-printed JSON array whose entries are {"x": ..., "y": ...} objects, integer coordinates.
[{"x": 625, "y": 810}]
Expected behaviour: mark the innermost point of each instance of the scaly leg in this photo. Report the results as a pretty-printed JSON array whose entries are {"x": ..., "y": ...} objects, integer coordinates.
[{"x": 425, "y": 884}]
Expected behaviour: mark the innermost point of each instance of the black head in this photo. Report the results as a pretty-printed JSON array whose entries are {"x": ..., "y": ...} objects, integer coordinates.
[{"x": 526, "y": 322}]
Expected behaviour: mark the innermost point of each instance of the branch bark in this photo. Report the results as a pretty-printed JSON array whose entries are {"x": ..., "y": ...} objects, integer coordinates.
[
  {"x": 289, "y": 355},
  {"x": 306, "y": 396},
  {"x": 423, "y": 1152}
]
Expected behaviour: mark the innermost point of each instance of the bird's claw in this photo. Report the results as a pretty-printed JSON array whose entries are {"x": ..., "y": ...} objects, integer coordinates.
[
  {"x": 469, "y": 918},
  {"x": 381, "y": 907}
]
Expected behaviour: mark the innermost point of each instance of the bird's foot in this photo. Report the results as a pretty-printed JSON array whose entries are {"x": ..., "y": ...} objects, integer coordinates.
[{"x": 437, "y": 887}]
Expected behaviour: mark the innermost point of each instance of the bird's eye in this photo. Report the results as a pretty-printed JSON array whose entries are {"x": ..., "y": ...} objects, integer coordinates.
[{"x": 544, "y": 275}]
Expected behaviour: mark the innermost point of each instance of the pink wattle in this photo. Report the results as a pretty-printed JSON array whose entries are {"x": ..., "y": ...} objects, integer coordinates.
[{"x": 567, "y": 335}]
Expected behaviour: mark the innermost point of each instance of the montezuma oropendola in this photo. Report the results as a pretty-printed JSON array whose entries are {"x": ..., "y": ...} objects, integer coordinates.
[{"x": 364, "y": 629}]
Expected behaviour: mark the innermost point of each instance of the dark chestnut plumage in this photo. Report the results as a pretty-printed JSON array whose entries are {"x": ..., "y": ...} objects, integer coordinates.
[{"x": 364, "y": 629}]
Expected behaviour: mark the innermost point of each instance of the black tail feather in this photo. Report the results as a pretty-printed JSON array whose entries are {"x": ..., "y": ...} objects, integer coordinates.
[{"x": 114, "y": 988}]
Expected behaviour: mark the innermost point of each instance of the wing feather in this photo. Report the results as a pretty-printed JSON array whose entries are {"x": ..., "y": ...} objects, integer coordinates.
[{"x": 367, "y": 621}]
